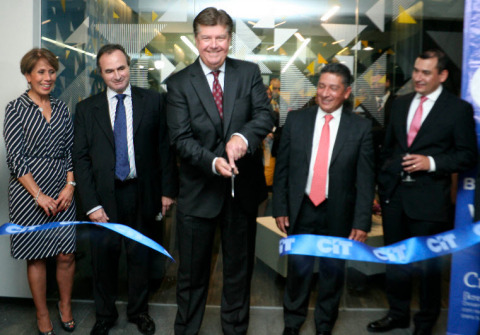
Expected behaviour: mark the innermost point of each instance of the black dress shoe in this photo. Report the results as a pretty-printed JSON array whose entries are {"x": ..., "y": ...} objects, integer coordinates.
[
  {"x": 290, "y": 331},
  {"x": 144, "y": 323},
  {"x": 50, "y": 332},
  {"x": 101, "y": 327},
  {"x": 387, "y": 323},
  {"x": 68, "y": 326},
  {"x": 324, "y": 332}
]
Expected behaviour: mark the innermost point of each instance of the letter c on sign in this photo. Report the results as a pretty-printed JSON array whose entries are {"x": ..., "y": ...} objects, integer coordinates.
[
  {"x": 476, "y": 229},
  {"x": 380, "y": 255},
  {"x": 324, "y": 245},
  {"x": 469, "y": 278},
  {"x": 433, "y": 245},
  {"x": 13, "y": 229}
]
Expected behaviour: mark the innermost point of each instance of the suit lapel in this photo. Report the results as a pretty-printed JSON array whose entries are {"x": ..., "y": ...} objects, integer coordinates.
[
  {"x": 230, "y": 89},
  {"x": 102, "y": 115},
  {"x": 138, "y": 108},
  {"x": 200, "y": 85},
  {"x": 432, "y": 117},
  {"x": 402, "y": 125},
  {"x": 308, "y": 133},
  {"x": 343, "y": 129}
]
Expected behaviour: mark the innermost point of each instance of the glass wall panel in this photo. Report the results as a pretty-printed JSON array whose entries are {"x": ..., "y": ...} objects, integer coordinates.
[{"x": 290, "y": 40}]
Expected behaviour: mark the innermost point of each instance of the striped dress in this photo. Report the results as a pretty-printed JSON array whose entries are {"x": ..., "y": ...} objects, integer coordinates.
[{"x": 44, "y": 149}]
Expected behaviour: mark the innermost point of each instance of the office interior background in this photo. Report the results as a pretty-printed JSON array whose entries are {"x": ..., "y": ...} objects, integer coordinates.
[{"x": 289, "y": 39}]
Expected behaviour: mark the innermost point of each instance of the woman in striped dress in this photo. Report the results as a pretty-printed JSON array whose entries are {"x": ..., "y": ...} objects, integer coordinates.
[{"x": 39, "y": 136}]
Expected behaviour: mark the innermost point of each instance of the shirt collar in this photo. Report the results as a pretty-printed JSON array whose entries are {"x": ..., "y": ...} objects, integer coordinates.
[
  {"x": 207, "y": 70},
  {"x": 29, "y": 101},
  {"x": 336, "y": 114},
  {"x": 111, "y": 93},
  {"x": 432, "y": 96}
]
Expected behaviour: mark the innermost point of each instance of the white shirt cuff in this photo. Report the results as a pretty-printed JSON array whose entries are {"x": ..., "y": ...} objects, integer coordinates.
[
  {"x": 94, "y": 209},
  {"x": 243, "y": 138},
  {"x": 215, "y": 159},
  {"x": 433, "y": 167},
  {"x": 213, "y": 166}
]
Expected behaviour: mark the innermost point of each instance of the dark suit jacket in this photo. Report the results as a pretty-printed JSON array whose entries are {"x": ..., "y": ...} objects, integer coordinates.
[
  {"x": 94, "y": 153},
  {"x": 351, "y": 175},
  {"x": 200, "y": 135},
  {"x": 447, "y": 135},
  {"x": 387, "y": 109}
]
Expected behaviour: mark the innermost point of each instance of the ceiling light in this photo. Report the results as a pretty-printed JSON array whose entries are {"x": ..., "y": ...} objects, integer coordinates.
[
  {"x": 159, "y": 64},
  {"x": 189, "y": 44},
  {"x": 330, "y": 13},
  {"x": 299, "y": 37},
  {"x": 295, "y": 55},
  {"x": 69, "y": 47}
]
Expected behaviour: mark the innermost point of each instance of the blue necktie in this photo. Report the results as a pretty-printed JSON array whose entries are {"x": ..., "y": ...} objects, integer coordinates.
[{"x": 122, "y": 167}]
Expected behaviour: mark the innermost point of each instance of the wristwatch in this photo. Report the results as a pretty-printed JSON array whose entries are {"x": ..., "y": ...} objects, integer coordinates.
[{"x": 72, "y": 183}]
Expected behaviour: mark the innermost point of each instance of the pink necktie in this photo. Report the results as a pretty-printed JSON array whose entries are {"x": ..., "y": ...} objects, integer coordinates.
[
  {"x": 217, "y": 93},
  {"x": 416, "y": 122},
  {"x": 320, "y": 169}
]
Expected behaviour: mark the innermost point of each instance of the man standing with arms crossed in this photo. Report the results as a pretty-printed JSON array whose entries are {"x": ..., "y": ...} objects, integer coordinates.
[
  {"x": 218, "y": 114},
  {"x": 125, "y": 173},
  {"x": 431, "y": 135}
]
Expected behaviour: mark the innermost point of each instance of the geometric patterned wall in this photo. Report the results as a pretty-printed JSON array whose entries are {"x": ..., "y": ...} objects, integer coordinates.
[{"x": 287, "y": 40}]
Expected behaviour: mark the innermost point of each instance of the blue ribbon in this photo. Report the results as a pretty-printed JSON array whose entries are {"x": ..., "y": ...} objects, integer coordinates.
[
  {"x": 407, "y": 251},
  {"x": 11, "y": 228}
]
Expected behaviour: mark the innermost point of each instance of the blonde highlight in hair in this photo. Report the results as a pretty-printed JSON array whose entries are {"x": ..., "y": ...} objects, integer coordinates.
[{"x": 31, "y": 58}]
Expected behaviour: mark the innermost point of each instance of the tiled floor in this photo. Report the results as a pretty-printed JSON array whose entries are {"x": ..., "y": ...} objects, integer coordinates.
[{"x": 18, "y": 318}]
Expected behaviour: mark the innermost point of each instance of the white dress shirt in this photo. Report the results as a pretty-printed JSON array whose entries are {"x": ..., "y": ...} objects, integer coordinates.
[
  {"x": 317, "y": 133},
  {"x": 221, "y": 80},
  {"x": 383, "y": 100},
  {"x": 210, "y": 77},
  {"x": 427, "y": 107},
  {"x": 112, "y": 106}
]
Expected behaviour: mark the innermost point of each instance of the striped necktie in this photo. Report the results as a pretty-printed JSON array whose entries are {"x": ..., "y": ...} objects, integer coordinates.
[{"x": 122, "y": 166}]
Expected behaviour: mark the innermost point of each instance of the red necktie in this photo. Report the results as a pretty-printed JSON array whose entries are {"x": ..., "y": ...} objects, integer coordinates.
[
  {"x": 320, "y": 169},
  {"x": 217, "y": 93},
  {"x": 416, "y": 122}
]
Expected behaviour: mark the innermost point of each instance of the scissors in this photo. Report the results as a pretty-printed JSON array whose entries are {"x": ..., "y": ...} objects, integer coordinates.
[{"x": 232, "y": 178}]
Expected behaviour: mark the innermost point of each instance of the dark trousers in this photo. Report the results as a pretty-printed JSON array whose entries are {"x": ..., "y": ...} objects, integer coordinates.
[
  {"x": 106, "y": 248},
  {"x": 331, "y": 274},
  {"x": 195, "y": 238},
  {"x": 398, "y": 226}
]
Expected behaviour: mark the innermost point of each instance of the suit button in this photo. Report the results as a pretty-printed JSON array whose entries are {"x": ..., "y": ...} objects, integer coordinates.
[{"x": 387, "y": 201}]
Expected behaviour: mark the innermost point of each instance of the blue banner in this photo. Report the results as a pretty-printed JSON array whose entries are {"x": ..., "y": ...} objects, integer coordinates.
[
  {"x": 11, "y": 228},
  {"x": 464, "y": 306},
  {"x": 411, "y": 250}
]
